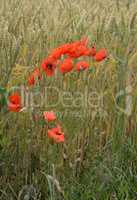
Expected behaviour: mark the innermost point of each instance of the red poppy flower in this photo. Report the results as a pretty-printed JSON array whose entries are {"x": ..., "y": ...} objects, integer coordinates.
[
  {"x": 82, "y": 65},
  {"x": 77, "y": 50},
  {"x": 65, "y": 48},
  {"x": 101, "y": 55},
  {"x": 56, "y": 134},
  {"x": 91, "y": 51},
  {"x": 56, "y": 53},
  {"x": 66, "y": 66},
  {"x": 49, "y": 65},
  {"x": 49, "y": 116},
  {"x": 74, "y": 49},
  {"x": 61, "y": 50},
  {"x": 14, "y": 104},
  {"x": 35, "y": 75}
]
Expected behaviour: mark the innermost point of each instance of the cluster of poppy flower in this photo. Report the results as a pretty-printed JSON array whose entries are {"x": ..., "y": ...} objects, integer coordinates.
[
  {"x": 69, "y": 52},
  {"x": 55, "y": 133},
  {"x": 14, "y": 105}
]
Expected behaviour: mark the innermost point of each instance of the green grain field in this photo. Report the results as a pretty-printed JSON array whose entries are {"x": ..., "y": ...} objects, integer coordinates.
[{"x": 97, "y": 108}]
